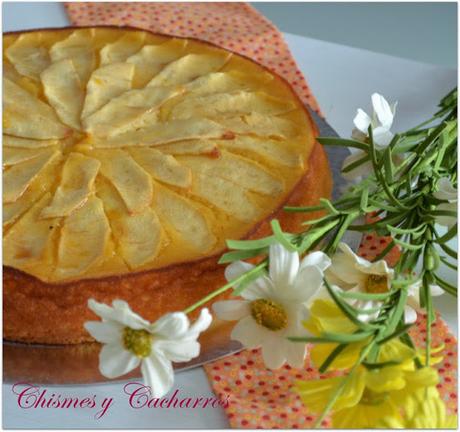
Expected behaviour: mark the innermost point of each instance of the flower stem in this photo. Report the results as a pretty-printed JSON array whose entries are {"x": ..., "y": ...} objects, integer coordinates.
[{"x": 232, "y": 283}]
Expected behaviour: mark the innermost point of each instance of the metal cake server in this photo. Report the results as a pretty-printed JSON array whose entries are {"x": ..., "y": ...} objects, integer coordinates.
[{"x": 78, "y": 364}]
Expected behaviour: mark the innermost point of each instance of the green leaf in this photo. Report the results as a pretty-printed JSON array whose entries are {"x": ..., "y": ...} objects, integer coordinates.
[
  {"x": 447, "y": 236},
  {"x": 331, "y": 357},
  {"x": 340, "y": 338},
  {"x": 364, "y": 199},
  {"x": 251, "y": 244},
  {"x": 408, "y": 246},
  {"x": 365, "y": 296},
  {"x": 395, "y": 334},
  {"x": 241, "y": 255},
  {"x": 448, "y": 264},
  {"x": 448, "y": 250},
  {"x": 452, "y": 290},
  {"x": 332, "y": 141},
  {"x": 388, "y": 164},
  {"x": 356, "y": 164},
  {"x": 281, "y": 236}
]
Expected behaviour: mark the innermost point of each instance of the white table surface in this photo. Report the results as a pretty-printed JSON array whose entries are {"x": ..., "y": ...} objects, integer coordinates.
[{"x": 342, "y": 79}]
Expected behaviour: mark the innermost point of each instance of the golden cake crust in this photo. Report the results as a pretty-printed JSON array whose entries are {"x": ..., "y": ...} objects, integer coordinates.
[
  {"x": 34, "y": 311},
  {"x": 53, "y": 313}
]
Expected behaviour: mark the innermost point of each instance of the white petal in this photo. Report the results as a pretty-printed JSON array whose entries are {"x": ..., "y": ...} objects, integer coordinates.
[
  {"x": 410, "y": 316},
  {"x": 284, "y": 266},
  {"x": 362, "y": 121},
  {"x": 436, "y": 290},
  {"x": 360, "y": 171},
  {"x": 158, "y": 374},
  {"x": 231, "y": 310},
  {"x": 273, "y": 353},
  {"x": 200, "y": 325},
  {"x": 170, "y": 326},
  {"x": 114, "y": 361},
  {"x": 382, "y": 137},
  {"x": 317, "y": 259},
  {"x": 321, "y": 294},
  {"x": 357, "y": 135},
  {"x": 393, "y": 108},
  {"x": 383, "y": 110},
  {"x": 124, "y": 314},
  {"x": 295, "y": 353},
  {"x": 104, "y": 332},
  {"x": 178, "y": 351},
  {"x": 120, "y": 312},
  {"x": 306, "y": 285},
  {"x": 344, "y": 269},
  {"x": 376, "y": 268},
  {"x": 446, "y": 190},
  {"x": 248, "y": 333},
  {"x": 260, "y": 288},
  {"x": 236, "y": 269}
]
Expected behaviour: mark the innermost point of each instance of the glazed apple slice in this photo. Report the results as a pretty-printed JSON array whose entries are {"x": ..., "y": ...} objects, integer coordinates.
[
  {"x": 186, "y": 219},
  {"x": 216, "y": 82},
  {"x": 222, "y": 104},
  {"x": 237, "y": 169},
  {"x": 223, "y": 194},
  {"x": 107, "y": 83},
  {"x": 191, "y": 147},
  {"x": 125, "y": 109},
  {"x": 41, "y": 184},
  {"x": 277, "y": 152},
  {"x": 84, "y": 236},
  {"x": 77, "y": 181},
  {"x": 151, "y": 59},
  {"x": 122, "y": 48},
  {"x": 139, "y": 237},
  {"x": 28, "y": 117},
  {"x": 164, "y": 133},
  {"x": 26, "y": 242},
  {"x": 162, "y": 167},
  {"x": 64, "y": 92},
  {"x": 13, "y": 156},
  {"x": 260, "y": 125},
  {"x": 17, "y": 179},
  {"x": 28, "y": 55},
  {"x": 131, "y": 181},
  {"x": 78, "y": 47},
  {"x": 17, "y": 142},
  {"x": 188, "y": 68}
]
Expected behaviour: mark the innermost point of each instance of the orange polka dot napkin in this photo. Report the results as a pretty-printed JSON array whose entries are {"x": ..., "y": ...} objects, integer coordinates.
[
  {"x": 263, "y": 399},
  {"x": 237, "y": 27}
]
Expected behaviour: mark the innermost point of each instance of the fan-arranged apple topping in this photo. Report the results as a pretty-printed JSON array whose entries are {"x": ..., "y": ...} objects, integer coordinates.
[{"x": 127, "y": 151}]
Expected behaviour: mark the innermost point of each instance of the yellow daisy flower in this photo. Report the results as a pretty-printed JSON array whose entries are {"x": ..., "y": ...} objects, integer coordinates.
[
  {"x": 325, "y": 316},
  {"x": 367, "y": 396},
  {"x": 423, "y": 410}
]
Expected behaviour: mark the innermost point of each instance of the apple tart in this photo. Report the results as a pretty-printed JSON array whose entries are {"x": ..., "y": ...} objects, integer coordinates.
[{"x": 128, "y": 159}]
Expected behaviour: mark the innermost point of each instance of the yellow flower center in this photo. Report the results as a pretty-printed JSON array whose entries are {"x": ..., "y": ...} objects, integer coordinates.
[
  {"x": 269, "y": 314},
  {"x": 139, "y": 342},
  {"x": 376, "y": 284},
  {"x": 372, "y": 398}
]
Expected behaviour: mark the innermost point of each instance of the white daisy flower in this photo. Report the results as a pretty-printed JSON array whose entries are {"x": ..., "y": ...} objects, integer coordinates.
[
  {"x": 446, "y": 192},
  {"x": 352, "y": 273},
  {"x": 130, "y": 341},
  {"x": 381, "y": 121},
  {"x": 274, "y": 306}
]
